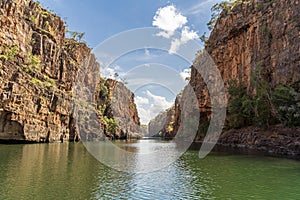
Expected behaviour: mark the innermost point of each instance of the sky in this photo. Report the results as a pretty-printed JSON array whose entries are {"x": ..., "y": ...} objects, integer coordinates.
[{"x": 150, "y": 44}]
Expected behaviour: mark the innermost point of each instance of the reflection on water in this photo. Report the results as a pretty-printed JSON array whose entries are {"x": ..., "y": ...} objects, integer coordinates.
[
  {"x": 68, "y": 171},
  {"x": 140, "y": 156}
]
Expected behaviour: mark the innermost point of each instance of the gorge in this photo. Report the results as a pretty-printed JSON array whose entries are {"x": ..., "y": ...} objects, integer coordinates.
[
  {"x": 256, "y": 44},
  {"x": 70, "y": 131},
  {"x": 253, "y": 44},
  {"x": 38, "y": 71}
]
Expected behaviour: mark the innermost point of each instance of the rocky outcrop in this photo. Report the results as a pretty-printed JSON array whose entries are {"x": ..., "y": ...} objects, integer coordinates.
[
  {"x": 116, "y": 105},
  {"x": 157, "y": 127},
  {"x": 39, "y": 72},
  {"x": 276, "y": 140},
  {"x": 253, "y": 36}
]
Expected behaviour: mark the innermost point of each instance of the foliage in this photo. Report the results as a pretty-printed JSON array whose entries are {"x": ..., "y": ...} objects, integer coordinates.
[
  {"x": 10, "y": 53},
  {"x": 44, "y": 14},
  {"x": 33, "y": 63},
  {"x": 43, "y": 83},
  {"x": 287, "y": 102},
  {"x": 103, "y": 90},
  {"x": 240, "y": 105},
  {"x": 220, "y": 7},
  {"x": 33, "y": 19},
  {"x": 37, "y": 82},
  {"x": 264, "y": 112},
  {"x": 203, "y": 38},
  {"x": 264, "y": 106},
  {"x": 75, "y": 35},
  {"x": 112, "y": 125}
]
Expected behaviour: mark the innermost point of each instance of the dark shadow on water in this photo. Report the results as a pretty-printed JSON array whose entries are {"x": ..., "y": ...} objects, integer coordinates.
[{"x": 234, "y": 150}]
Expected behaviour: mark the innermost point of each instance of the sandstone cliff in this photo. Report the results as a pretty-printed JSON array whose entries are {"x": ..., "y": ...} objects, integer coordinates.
[
  {"x": 38, "y": 70},
  {"x": 254, "y": 35},
  {"x": 117, "y": 110}
]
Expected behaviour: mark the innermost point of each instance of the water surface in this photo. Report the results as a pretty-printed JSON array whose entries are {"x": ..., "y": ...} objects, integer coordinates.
[{"x": 68, "y": 171}]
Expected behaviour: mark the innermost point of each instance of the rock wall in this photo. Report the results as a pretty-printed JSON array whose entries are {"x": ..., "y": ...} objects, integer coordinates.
[
  {"x": 39, "y": 69},
  {"x": 259, "y": 34},
  {"x": 253, "y": 36},
  {"x": 116, "y": 101}
]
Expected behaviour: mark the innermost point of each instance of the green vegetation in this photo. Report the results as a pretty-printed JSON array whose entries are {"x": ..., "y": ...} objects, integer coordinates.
[
  {"x": 75, "y": 35},
  {"x": 111, "y": 124},
  {"x": 33, "y": 64},
  {"x": 103, "y": 90},
  {"x": 263, "y": 106},
  {"x": 47, "y": 82},
  {"x": 9, "y": 53},
  {"x": 36, "y": 81},
  {"x": 226, "y": 6},
  {"x": 287, "y": 102},
  {"x": 216, "y": 10},
  {"x": 33, "y": 19},
  {"x": 44, "y": 14}
]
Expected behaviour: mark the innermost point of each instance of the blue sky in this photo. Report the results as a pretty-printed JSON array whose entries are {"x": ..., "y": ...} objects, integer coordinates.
[
  {"x": 155, "y": 75},
  {"x": 100, "y": 19}
]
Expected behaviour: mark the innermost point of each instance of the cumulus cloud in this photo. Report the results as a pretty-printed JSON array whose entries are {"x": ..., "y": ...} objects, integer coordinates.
[
  {"x": 141, "y": 100},
  {"x": 186, "y": 73},
  {"x": 168, "y": 19},
  {"x": 109, "y": 72},
  {"x": 186, "y": 35},
  {"x": 159, "y": 103},
  {"x": 175, "y": 44},
  {"x": 150, "y": 106}
]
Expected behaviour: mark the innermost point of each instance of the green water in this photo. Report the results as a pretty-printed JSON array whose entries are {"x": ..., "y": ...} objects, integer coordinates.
[{"x": 68, "y": 171}]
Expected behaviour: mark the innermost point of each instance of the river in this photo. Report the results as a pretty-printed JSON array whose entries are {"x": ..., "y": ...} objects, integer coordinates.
[{"x": 68, "y": 171}]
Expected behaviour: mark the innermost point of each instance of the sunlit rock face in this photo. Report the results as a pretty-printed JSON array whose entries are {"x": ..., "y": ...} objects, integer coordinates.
[
  {"x": 39, "y": 69},
  {"x": 116, "y": 101},
  {"x": 255, "y": 35}
]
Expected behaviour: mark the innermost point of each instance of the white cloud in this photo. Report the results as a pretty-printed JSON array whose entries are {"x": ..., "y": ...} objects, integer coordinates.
[
  {"x": 168, "y": 19},
  {"x": 186, "y": 73},
  {"x": 186, "y": 35},
  {"x": 159, "y": 103},
  {"x": 150, "y": 106},
  {"x": 109, "y": 72},
  {"x": 175, "y": 44},
  {"x": 141, "y": 100},
  {"x": 144, "y": 115}
]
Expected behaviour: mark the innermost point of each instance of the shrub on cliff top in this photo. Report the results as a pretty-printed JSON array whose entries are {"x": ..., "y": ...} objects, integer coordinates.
[{"x": 220, "y": 7}]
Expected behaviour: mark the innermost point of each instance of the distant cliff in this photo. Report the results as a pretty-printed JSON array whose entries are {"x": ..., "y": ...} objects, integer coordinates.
[
  {"x": 257, "y": 45},
  {"x": 38, "y": 69},
  {"x": 117, "y": 110}
]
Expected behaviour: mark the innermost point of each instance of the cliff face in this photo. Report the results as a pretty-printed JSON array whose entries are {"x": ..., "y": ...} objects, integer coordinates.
[
  {"x": 260, "y": 34},
  {"x": 254, "y": 36},
  {"x": 163, "y": 124},
  {"x": 118, "y": 111},
  {"x": 39, "y": 68}
]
